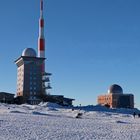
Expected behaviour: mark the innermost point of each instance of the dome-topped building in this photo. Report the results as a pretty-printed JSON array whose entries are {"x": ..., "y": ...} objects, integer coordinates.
[
  {"x": 29, "y": 52},
  {"x": 29, "y": 77},
  {"x": 116, "y": 98},
  {"x": 115, "y": 89},
  {"x": 33, "y": 83}
]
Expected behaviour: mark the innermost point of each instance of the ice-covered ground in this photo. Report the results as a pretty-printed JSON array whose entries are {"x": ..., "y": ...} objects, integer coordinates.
[{"x": 52, "y": 122}]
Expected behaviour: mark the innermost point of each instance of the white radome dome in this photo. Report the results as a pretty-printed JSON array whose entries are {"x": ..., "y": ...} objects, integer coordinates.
[
  {"x": 29, "y": 52},
  {"x": 115, "y": 89}
]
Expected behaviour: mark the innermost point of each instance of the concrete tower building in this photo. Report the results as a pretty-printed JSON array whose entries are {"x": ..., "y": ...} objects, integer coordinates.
[
  {"x": 31, "y": 74},
  {"x": 29, "y": 77}
]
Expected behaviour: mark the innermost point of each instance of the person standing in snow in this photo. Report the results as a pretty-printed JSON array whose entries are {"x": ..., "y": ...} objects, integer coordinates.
[{"x": 134, "y": 114}]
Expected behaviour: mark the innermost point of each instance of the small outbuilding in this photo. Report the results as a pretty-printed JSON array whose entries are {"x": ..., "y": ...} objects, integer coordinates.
[
  {"x": 59, "y": 99},
  {"x": 6, "y": 97}
]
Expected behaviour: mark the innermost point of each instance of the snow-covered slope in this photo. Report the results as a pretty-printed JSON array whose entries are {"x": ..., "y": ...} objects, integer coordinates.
[{"x": 52, "y": 122}]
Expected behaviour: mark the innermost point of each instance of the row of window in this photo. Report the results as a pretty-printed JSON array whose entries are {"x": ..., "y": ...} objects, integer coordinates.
[
  {"x": 33, "y": 93},
  {"x": 19, "y": 89},
  {"x": 32, "y": 78},
  {"x": 33, "y": 97},
  {"x": 33, "y": 87}
]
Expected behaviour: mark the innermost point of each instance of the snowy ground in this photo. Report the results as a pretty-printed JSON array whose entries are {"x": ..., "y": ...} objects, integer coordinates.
[{"x": 51, "y": 122}]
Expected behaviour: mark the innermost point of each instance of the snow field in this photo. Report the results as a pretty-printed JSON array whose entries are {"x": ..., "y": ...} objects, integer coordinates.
[{"x": 51, "y": 122}]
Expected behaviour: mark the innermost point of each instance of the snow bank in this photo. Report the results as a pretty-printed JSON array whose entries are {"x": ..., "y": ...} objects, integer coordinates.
[
  {"x": 105, "y": 109},
  {"x": 48, "y": 104}
]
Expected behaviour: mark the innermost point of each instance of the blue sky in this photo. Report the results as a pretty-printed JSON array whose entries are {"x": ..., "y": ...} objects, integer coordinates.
[{"x": 90, "y": 44}]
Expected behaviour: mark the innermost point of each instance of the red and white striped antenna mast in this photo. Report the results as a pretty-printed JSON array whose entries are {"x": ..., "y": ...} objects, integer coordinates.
[
  {"x": 41, "y": 49},
  {"x": 41, "y": 38}
]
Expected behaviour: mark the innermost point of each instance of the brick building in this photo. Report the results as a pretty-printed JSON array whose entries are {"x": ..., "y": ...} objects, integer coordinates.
[{"x": 115, "y": 98}]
